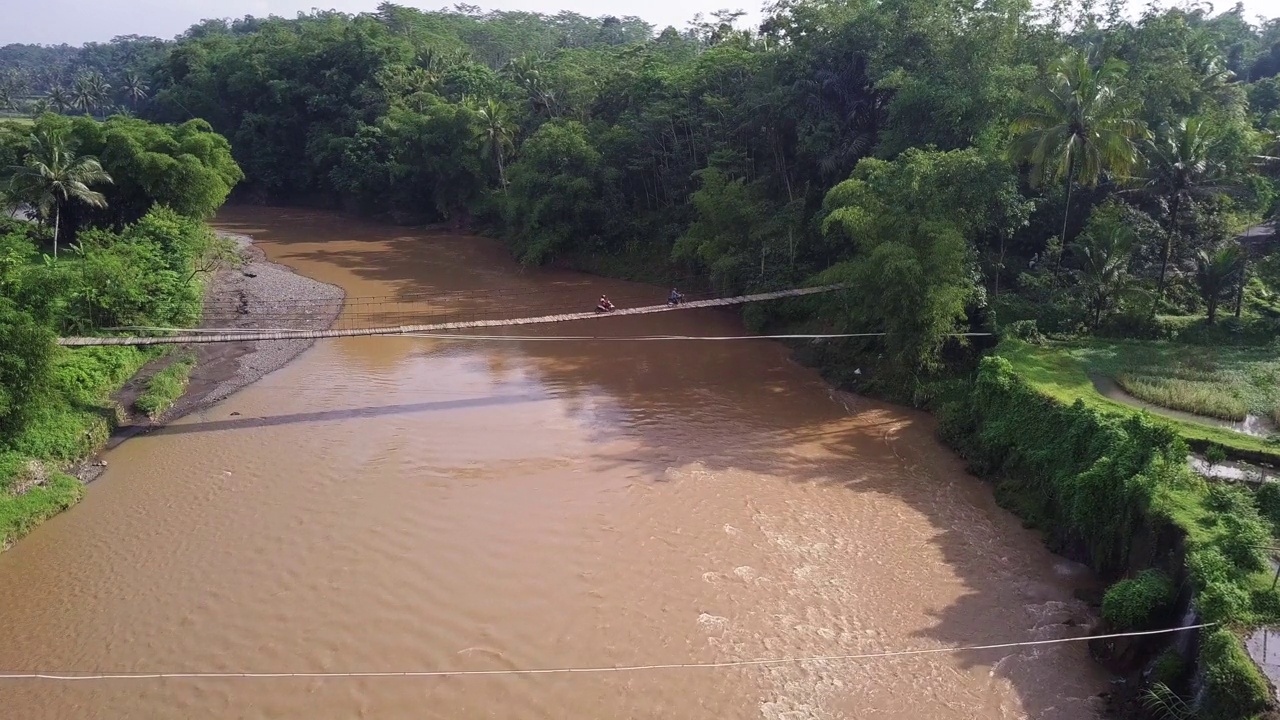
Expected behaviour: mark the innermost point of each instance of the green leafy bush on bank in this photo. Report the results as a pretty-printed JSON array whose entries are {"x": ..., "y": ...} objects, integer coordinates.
[
  {"x": 1100, "y": 484},
  {"x": 1234, "y": 688},
  {"x": 1137, "y": 602}
]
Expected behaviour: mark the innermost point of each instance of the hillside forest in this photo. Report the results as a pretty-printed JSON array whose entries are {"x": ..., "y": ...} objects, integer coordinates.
[{"x": 961, "y": 164}]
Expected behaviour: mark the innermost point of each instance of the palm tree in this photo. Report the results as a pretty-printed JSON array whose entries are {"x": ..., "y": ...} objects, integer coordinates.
[
  {"x": 82, "y": 95},
  {"x": 90, "y": 92},
  {"x": 1104, "y": 267},
  {"x": 526, "y": 72},
  {"x": 100, "y": 88},
  {"x": 1216, "y": 275},
  {"x": 497, "y": 135},
  {"x": 1077, "y": 128},
  {"x": 134, "y": 88},
  {"x": 1213, "y": 75},
  {"x": 54, "y": 176},
  {"x": 845, "y": 92},
  {"x": 1182, "y": 165},
  {"x": 59, "y": 98}
]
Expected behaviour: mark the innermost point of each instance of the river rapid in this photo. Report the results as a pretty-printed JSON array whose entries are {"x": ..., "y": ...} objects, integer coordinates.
[{"x": 405, "y": 504}]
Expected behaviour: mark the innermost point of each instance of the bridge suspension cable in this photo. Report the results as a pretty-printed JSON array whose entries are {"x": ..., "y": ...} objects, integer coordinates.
[{"x": 181, "y": 336}]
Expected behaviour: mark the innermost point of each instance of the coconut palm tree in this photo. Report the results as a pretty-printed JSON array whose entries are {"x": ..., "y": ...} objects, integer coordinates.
[
  {"x": 134, "y": 88},
  {"x": 54, "y": 176},
  {"x": 497, "y": 135},
  {"x": 1216, "y": 274},
  {"x": 59, "y": 98},
  {"x": 1077, "y": 128},
  {"x": 1104, "y": 267},
  {"x": 1182, "y": 165},
  {"x": 526, "y": 72},
  {"x": 90, "y": 92},
  {"x": 82, "y": 95}
]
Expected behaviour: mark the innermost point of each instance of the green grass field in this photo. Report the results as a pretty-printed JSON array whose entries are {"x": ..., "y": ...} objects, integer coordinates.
[
  {"x": 1207, "y": 381},
  {"x": 15, "y": 122},
  {"x": 1221, "y": 382}
]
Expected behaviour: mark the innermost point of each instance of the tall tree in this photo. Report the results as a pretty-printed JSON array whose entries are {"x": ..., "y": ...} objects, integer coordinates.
[
  {"x": 1182, "y": 165},
  {"x": 134, "y": 88},
  {"x": 54, "y": 176},
  {"x": 1078, "y": 127},
  {"x": 498, "y": 135},
  {"x": 1216, "y": 274},
  {"x": 1104, "y": 250},
  {"x": 59, "y": 98}
]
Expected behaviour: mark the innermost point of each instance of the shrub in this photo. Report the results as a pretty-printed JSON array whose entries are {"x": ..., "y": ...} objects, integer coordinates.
[
  {"x": 1268, "y": 501},
  {"x": 1242, "y": 540},
  {"x": 1025, "y": 330},
  {"x": 1223, "y": 602},
  {"x": 1137, "y": 603},
  {"x": 1233, "y": 686},
  {"x": 1168, "y": 668},
  {"x": 28, "y": 348}
]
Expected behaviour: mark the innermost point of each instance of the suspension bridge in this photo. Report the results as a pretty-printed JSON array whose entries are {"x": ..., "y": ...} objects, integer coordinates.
[{"x": 178, "y": 336}]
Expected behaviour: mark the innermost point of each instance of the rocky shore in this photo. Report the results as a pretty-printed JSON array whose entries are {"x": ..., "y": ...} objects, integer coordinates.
[{"x": 241, "y": 298}]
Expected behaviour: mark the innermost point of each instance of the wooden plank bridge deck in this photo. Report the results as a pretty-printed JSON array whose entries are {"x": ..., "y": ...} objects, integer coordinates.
[{"x": 190, "y": 338}]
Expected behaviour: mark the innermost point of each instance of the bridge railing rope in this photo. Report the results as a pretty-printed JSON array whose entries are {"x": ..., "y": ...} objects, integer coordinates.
[{"x": 176, "y": 336}]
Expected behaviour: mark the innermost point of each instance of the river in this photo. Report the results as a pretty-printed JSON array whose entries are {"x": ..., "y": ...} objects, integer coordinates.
[{"x": 403, "y": 504}]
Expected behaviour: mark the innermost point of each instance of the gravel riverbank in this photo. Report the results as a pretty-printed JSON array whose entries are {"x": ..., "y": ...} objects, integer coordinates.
[{"x": 247, "y": 298}]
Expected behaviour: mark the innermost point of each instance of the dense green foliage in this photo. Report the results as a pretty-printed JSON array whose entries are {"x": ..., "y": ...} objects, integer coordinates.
[
  {"x": 1102, "y": 484},
  {"x": 962, "y": 166},
  {"x": 133, "y": 197},
  {"x": 1233, "y": 686},
  {"x": 24, "y": 364},
  {"x": 1138, "y": 602},
  {"x": 187, "y": 168}
]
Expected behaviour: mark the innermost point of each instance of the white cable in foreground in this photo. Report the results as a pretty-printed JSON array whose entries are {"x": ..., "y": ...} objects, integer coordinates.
[
  {"x": 640, "y": 338},
  {"x": 71, "y": 675},
  {"x": 577, "y": 338}
]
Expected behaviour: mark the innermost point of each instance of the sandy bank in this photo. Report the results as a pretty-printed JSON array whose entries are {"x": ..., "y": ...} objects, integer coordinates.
[{"x": 240, "y": 298}]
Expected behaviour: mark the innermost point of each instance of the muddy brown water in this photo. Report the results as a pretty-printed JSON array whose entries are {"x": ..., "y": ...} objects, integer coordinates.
[{"x": 399, "y": 504}]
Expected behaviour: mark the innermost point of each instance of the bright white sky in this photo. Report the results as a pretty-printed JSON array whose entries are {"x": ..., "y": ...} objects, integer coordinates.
[{"x": 78, "y": 21}]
